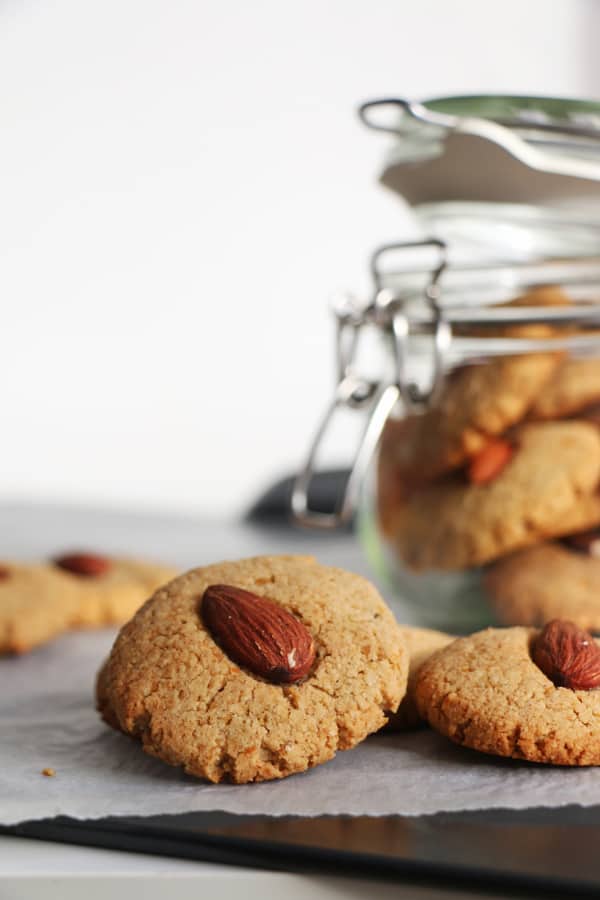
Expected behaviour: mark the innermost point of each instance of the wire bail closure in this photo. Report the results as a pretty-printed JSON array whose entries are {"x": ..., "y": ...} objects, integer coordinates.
[
  {"x": 391, "y": 314},
  {"x": 441, "y": 321},
  {"x": 375, "y": 399}
]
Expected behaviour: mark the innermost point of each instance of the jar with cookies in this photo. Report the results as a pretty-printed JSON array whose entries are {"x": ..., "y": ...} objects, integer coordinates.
[{"x": 475, "y": 488}]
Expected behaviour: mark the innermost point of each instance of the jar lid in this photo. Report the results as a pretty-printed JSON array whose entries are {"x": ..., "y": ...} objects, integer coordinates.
[{"x": 532, "y": 150}]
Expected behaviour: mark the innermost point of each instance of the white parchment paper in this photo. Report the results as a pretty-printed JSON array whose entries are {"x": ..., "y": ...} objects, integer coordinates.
[{"x": 47, "y": 719}]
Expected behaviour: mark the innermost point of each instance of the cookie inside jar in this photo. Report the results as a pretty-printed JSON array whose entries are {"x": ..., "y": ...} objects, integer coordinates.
[{"x": 476, "y": 498}]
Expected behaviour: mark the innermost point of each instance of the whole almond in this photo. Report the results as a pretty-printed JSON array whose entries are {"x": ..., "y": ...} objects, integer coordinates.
[
  {"x": 490, "y": 461},
  {"x": 4, "y": 573},
  {"x": 86, "y": 564},
  {"x": 258, "y": 634},
  {"x": 568, "y": 655}
]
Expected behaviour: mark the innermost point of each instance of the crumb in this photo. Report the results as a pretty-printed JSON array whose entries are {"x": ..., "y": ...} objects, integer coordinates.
[{"x": 48, "y": 772}]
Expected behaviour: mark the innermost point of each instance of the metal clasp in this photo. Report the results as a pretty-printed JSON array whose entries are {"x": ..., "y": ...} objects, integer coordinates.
[
  {"x": 391, "y": 314},
  {"x": 375, "y": 399},
  {"x": 378, "y": 401}
]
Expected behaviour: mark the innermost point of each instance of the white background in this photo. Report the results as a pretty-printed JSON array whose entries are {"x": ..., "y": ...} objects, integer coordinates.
[{"x": 182, "y": 186}]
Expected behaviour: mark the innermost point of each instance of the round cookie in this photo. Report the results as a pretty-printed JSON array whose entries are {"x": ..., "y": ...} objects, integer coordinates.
[
  {"x": 540, "y": 493},
  {"x": 478, "y": 402},
  {"x": 546, "y": 582},
  {"x": 573, "y": 386},
  {"x": 169, "y": 684},
  {"x": 421, "y": 643},
  {"x": 37, "y": 602},
  {"x": 485, "y": 692},
  {"x": 113, "y": 589}
]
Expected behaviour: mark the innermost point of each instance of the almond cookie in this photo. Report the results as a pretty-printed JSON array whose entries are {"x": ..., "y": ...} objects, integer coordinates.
[
  {"x": 421, "y": 643},
  {"x": 548, "y": 581},
  {"x": 538, "y": 493},
  {"x": 573, "y": 386},
  {"x": 517, "y": 692},
  {"x": 477, "y": 402},
  {"x": 37, "y": 602},
  {"x": 257, "y": 669},
  {"x": 109, "y": 590}
]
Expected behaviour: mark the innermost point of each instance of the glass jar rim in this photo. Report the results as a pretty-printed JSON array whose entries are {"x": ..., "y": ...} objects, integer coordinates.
[{"x": 507, "y": 233}]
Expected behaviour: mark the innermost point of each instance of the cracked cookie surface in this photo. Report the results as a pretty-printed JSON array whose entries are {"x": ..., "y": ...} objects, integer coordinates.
[
  {"x": 485, "y": 692},
  {"x": 546, "y": 582},
  {"x": 168, "y": 684},
  {"x": 544, "y": 491}
]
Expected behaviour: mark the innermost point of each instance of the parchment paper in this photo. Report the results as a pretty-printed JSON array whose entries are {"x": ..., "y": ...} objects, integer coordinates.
[{"x": 47, "y": 719}]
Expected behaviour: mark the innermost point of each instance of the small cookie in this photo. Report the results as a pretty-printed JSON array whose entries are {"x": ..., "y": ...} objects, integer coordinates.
[
  {"x": 37, "y": 602},
  {"x": 173, "y": 687},
  {"x": 421, "y": 643},
  {"x": 109, "y": 590},
  {"x": 486, "y": 692},
  {"x": 573, "y": 386},
  {"x": 546, "y": 582},
  {"x": 478, "y": 402},
  {"x": 541, "y": 492}
]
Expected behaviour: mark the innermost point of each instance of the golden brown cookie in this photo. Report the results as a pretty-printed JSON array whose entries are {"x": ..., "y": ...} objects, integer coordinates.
[
  {"x": 542, "y": 295},
  {"x": 486, "y": 692},
  {"x": 546, "y": 582},
  {"x": 573, "y": 386},
  {"x": 421, "y": 643},
  {"x": 37, "y": 602},
  {"x": 543, "y": 491},
  {"x": 171, "y": 685},
  {"x": 109, "y": 590},
  {"x": 477, "y": 402}
]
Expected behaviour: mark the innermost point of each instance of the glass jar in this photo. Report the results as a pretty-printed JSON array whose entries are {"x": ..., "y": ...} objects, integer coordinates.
[
  {"x": 484, "y": 371},
  {"x": 481, "y": 398}
]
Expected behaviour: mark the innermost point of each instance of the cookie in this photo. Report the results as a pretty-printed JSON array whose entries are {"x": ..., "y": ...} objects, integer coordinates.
[
  {"x": 37, "y": 603},
  {"x": 477, "y": 402},
  {"x": 541, "y": 295},
  {"x": 109, "y": 590},
  {"x": 171, "y": 685},
  {"x": 573, "y": 386},
  {"x": 421, "y": 643},
  {"x": 546, "y": 582},
  {"x": 541, "y": 492},
  {"x": 486, "y": 692}
]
